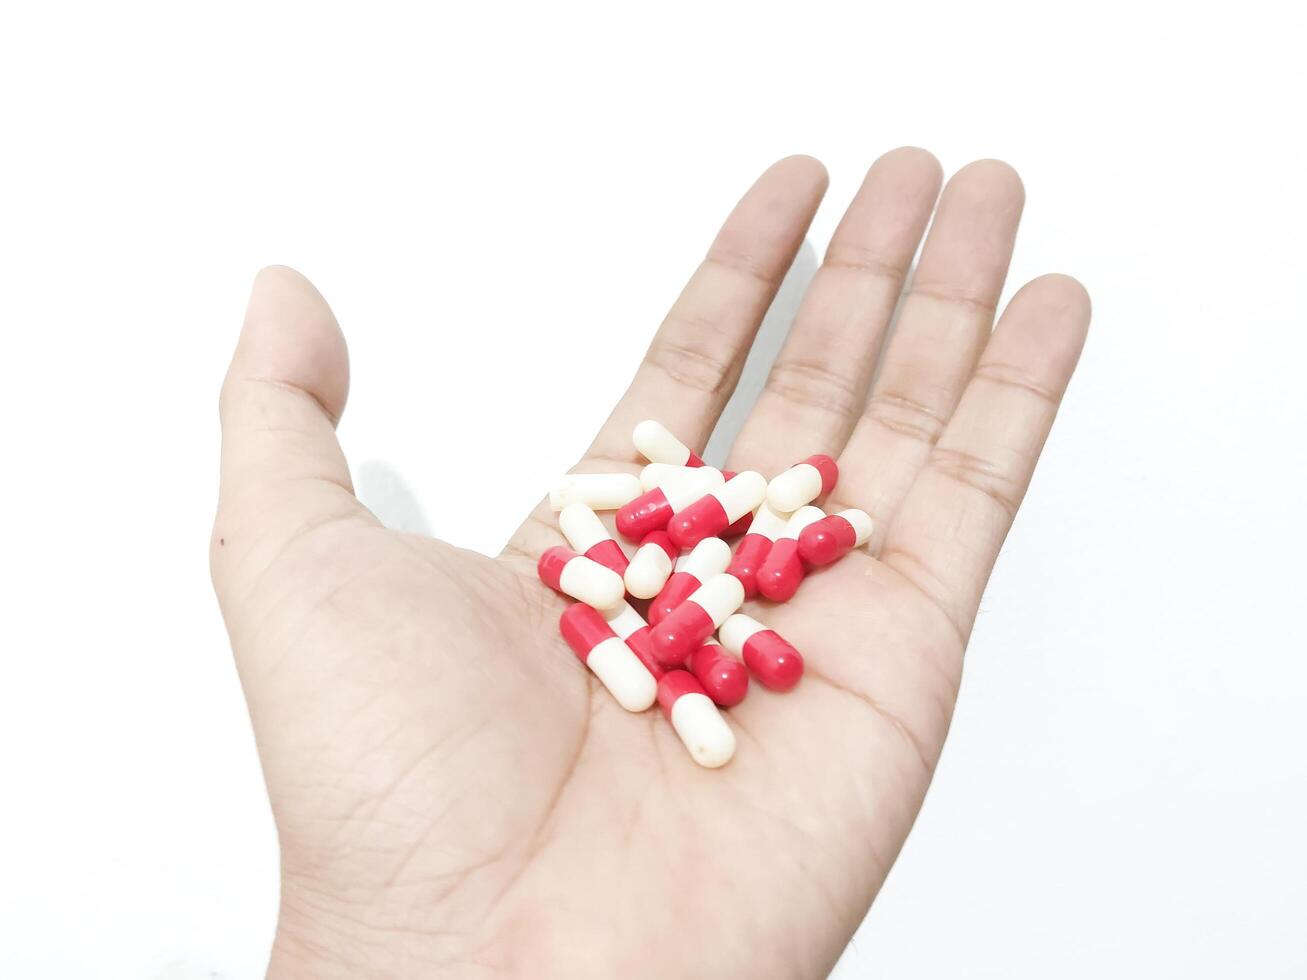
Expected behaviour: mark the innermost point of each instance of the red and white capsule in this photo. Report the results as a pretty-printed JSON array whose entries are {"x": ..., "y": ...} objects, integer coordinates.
[
  {"x": 776, "y": 664},
  {"x": 651, "y": 565},
  {"x": 584, "y": 580},
  {"x": 831, "y": 538},
  {"x": 652, "y": 510},
  {"x": 782, "y": 570},
  {"x": 656, "y": 444},
  {"x": 677, "y": 635},
  {"x": 697, "y": 722},
  {"x": 708, "y": 558},
  {"x": 631, "y": 628},
  {"x": 752, "y": 550},
  {"x": 742, "y": 525},
  {"x": 586, "y": 533},
  {"x": 802, "y": 483},
  {"x": 657, "y": 474},
  {"x": 724, "y": 678},
  {"x": 599, "y": 491},
  {"x": 717, "y": 510},
  {"x": 608, "y": 657}
]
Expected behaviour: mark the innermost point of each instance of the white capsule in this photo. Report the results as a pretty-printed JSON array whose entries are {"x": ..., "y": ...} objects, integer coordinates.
[
  {"x": 802, "y": 483},
  {"x": 620, "y": 670},
  {"x": 719, "y": 597},
  {"x": 623, "y": 620},
  {"x": 861, "y": 523},
  {"x": 703, "y": 730},
  {"x": 656, "y": 444},
  {"x": 768, "y": 522},
  {"x": 649, "y": 570},
  {"x": 590, "y": 582},
  {"x": 681, "y": 492},
  {"x": 659, "y": 474},
  {"x": 599, "y": 491},
  {"x": 582, "y": 527},
  {"x": 707, "y": 558},
  {"x": 737, "y": 630},
  {"x": 800, "y": 519},
  {"x": 741, "y": 494}
]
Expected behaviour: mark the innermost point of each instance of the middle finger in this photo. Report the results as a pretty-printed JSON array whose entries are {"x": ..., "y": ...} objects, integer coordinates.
[{"x": 817, "y": 387}]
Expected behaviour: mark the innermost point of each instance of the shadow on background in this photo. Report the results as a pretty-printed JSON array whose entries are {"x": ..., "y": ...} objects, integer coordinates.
[{"x": 385, "y": 492}]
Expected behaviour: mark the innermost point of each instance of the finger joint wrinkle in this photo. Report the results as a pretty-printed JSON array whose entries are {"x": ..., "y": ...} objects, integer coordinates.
[
  {"x": 814, "y": 385},
  {"x": 865, "y": 262},
  {"x": 1009, "y": 376},
  {"x": 741, "y": 263},
  {"x": 954, "y": 297},
  {"x": 979, "y": 474},
  {"x": 298, "y": 390},
  {"x": 690, "y": 366},
  {"x": 906, "y": 416}
]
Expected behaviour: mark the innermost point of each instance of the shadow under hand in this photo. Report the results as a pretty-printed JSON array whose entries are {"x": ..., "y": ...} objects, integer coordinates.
[
  {"x": 771, "y": 335},
  {"x": 384, "y": 492}
]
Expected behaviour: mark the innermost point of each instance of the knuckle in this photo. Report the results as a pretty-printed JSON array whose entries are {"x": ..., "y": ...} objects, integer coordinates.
[
  {"x": 813, "y": 384},
  {"x": 907, "y": 416},
  {"x": 981, "y": 475}
]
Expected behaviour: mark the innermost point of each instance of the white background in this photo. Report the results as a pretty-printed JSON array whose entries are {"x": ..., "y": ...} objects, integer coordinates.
[{"x": 1123, "y": 793}]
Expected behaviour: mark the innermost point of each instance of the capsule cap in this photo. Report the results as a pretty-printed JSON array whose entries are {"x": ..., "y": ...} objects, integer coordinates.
[
  {"x": 662, "y": 540},
  {"x": 828, "y": 468},
  {"x": 648, "y": 512},
  {"x": 551, "y": 564},
  {"x": 724, "y": 679},
  {"x": 782, "y": 572},
  {"x": 583, "y": 628},
  {"x": 704, "y": 518},
  {"x": 773, "y": 660},
  {"x": 675, "y": 683},
  {"x": 676, "y": 636}
]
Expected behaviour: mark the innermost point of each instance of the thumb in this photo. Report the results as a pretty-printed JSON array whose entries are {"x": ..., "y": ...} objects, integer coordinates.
[{"x": 283, "y": 472}]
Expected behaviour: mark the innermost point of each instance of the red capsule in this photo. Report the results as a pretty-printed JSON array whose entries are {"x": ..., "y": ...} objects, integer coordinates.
[
  {"x": 802, "y": 483},
  {"x": 612, "y": 661},
  {"x": 680, "y": 586},
  {"x": 782, "y": 570},
  {"x": 586, "y": 533},
  {"x": 692, "y": 622},
  {"x": 709, "y": 557},
  {"x": 752, "y": 550},
  {"x": 584, "y": 629},
  {"x": 676, "y": 634},
  {"x": 647, "y": 512},
  {"x": 833, "y": 537},
  {"x": 717, "y": 510},
  {"x": 704, "y": 518},
  {"x": 653, "y": 509},
  {"x": 609, "y": 554},
  {"x": 773, "y": 660},
  {"x": 724, "y": 678},
  {"x": 656, "y": 443},
  {"x": 631, "y": 628},
  {"x": 749, "y": 556},
  {"x": 695, "y": 719},
  {"x": 739, "y": 527},
  {"x": 641, "y": 644},
  {"x": 580, "y": 577}
]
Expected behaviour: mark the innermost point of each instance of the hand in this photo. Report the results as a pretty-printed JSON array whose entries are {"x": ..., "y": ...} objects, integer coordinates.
[{"x": 454, "y": 792}]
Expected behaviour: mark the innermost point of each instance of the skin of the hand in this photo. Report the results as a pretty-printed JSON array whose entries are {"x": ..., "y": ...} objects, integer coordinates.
[{"x": 456, "y": 796}]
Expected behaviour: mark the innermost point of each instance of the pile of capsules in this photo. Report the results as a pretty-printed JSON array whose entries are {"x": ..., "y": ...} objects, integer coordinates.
[{"x": 680, "y": 512}]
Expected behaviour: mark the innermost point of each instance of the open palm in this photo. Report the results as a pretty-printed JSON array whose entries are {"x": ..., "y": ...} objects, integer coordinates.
[{"x": 456, "y": 795}]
